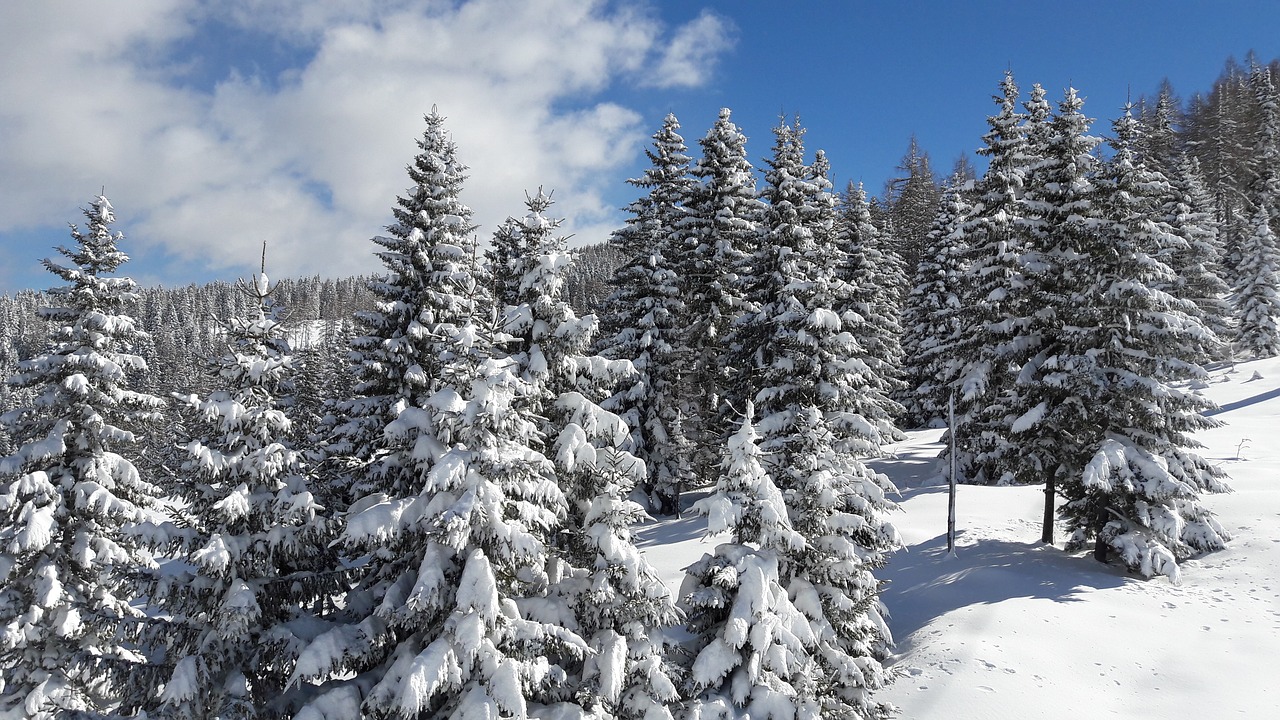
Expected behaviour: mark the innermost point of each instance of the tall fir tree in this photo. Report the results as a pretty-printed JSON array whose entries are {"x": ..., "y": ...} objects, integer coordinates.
[
  {"x": 621, "y": 608},
  {"x": 257, "y": 547},
  {"x": 1059, "y": 225},
  {"x": 984, "y": 449},
  {"x": 719, "y": 232},
  {"x": 1198, "y": 267},
  {"x": 872, "y": 275},
  {"x": 68, "y": 494},
  {"x": 1125, "y": 461},
  {"x": 453, "y": 613},
  {"x": 912, "y": 201},
  {"x": 810, "y": 383},
  {"x": 1257, "y": 298},
  {"x": 433, "y": 286},
  {"x": 639, "y": 321},
  {"x": 934, "y": 319}
]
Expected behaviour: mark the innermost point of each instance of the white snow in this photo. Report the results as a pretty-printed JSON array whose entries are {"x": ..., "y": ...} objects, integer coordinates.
[{"x": 1008, "y": 627}]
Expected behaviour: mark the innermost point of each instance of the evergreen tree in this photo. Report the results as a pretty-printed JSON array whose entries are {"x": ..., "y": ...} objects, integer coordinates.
[
  {"x": 453, "y": 614},
  {"x": 752, "y": 646},
  {"x": 1198, "y": 267},
  {"x": 1127, "y": 470},
  {"x": 983, "y": 446},
  {"x": 810, "y": 383},
  {"x": 258, "y": 543},
  {"x": 623, "y": 610},
  {"x": 934, "y": 318},
  {"x": 1257, "y": 297},
  {"x": 872, "y": 274},
  {"x": 912, "y": 201},
  {"x": 1059, "y": 227},
  {"x": 68, "y": 495},
  {"x": 433, "y": 287},
  {"x": 640, "y": 319},
  {"x": 719, "y": 231}
]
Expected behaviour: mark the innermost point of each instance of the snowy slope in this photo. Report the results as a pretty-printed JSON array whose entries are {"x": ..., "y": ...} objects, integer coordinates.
[{"x": 1009, "y": 628}]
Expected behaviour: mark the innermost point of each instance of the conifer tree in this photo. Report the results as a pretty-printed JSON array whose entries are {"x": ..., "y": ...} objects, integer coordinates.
[
  {"x": 912, "y": 203},
  {"x": 810, "y": 381},
  {"x": 68, "y": 494},
  {"x": 433, "y": 286},
  {"x": 720, "y": 232},
  {"x": 1198, "y": 267},
  {"x": 258, "y": 543},
  {"x": 1257, "y": 297},
  {"x": 1127, "y": 470},
  {"x": 639, "y": 321},
  {"x": 453, "y": 614},
  {"x": 984, "y": 449},
  {"x": 622, "y": 610},
  {"x": 752, "y": 646},
  {"x": 1060, "y": 223},
  {"x": 934, "y": 317},
  {"x": 871, "y": 274}
]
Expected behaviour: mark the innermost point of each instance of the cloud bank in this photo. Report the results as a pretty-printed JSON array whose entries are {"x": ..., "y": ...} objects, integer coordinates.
[{"x": 205, "y": 160}]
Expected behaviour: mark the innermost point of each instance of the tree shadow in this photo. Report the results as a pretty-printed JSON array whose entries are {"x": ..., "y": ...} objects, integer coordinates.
[
  {"x": 926, "y": 582},
  {"x": 1246, "y": 402}
]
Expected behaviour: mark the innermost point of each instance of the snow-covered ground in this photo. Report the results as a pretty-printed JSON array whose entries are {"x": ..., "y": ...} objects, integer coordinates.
[{"x": 1009, "y": 628}]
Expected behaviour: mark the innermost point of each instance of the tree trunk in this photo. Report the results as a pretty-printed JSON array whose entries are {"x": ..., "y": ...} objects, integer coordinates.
[
  {"x": 1100, "y": 548},
  {"x": 1046, "y": 532}
]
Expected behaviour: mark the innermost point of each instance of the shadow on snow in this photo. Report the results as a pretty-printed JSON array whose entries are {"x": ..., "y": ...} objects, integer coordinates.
[{"x": 925, "y": 582}]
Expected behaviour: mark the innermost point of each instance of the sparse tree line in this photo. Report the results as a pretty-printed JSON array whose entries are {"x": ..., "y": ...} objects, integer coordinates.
[{"x": 426, "y": 507}]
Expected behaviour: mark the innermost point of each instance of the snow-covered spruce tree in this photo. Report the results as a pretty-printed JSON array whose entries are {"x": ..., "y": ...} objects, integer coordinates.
[
  {"x": 1199, "y": 267},
  {"x": 257, "y": 547},
  {"x": 68, "y": 495},
  {"x": 933, "y": 320},
  {"x": 1257, "y": 297},
  {"x": 869, "y": 305},
  {"x": 1264, "y": 186},
  {"x": 1059, "y": 225},
  {"x": 453, "y": 615},
  {"x": 719, "y": 231},
  {"x": 983, "y": 447},
  {"x": 640, "y": 320},
  {"x": 429, "y": 290},
  {"x": 810, "y": 381},
  {"x": 912, "y": 200},
  {"x": 1124, "y": 459},
  {"x": 752, "y": 647},
  {"x": 622, "y": 608}
]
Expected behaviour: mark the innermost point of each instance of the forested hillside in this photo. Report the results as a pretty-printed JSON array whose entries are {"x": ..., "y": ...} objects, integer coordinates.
[{"x": 415, "y": 494}]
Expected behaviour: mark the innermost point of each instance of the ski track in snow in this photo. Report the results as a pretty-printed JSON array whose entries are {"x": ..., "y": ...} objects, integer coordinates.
[{"x": 1009, "y": 628}]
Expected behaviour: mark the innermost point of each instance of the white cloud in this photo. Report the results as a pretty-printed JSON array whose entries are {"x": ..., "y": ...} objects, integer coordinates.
[
  {"x": 312, "y": 161},
  {"x": 691, "y": 54}
]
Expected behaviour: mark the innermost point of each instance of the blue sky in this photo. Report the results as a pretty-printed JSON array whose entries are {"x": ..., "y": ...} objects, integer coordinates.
[{"x": 217, "y": 125}]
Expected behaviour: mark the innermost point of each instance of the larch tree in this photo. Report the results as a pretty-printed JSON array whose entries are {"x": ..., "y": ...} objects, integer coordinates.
[
  {"x": 640, "y": 320},
  {"x": 258, "y": 541},
  {"x": 68, "y": 496}
]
